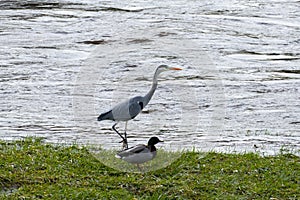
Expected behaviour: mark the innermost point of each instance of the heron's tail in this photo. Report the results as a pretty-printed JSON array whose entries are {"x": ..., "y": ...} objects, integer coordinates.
[{"x": 104, "y": 116}]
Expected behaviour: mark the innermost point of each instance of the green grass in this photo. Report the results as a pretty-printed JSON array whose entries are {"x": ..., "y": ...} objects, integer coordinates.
[{"x": 31, "y": 169}]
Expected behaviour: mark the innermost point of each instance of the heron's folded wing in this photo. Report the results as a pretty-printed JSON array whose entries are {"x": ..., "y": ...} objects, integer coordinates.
[{"x": 121, "y": 111}]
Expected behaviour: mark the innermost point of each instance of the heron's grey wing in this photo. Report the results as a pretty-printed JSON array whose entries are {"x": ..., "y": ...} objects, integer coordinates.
[
  {"x": 121, "y": 111},
  {"x": 135, "y": 106},
  {"x": 127, "y": 110},
  {"x": 141, "y": 148}
]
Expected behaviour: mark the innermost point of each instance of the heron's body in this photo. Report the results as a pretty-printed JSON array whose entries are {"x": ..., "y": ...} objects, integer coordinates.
[
  {"x": 130, "y": 108},
  {"x": 125, "y": 110},
  {"x": 140, "y": 153}
]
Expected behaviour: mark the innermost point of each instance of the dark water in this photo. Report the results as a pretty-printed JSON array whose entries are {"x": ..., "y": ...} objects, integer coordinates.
[{"x": 64, "y": 62}]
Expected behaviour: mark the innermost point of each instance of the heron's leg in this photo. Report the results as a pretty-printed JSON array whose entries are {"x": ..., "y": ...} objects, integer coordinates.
[
  {"x": 125, "y": 143},
  {"x": 124, "y": 140},
  {"x": 114, "y": 128},
  {"x": 125, "y": 134}
]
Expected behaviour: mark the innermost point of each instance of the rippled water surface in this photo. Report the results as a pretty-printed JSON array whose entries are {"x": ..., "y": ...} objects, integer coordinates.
[{"x": 64, "y": 62}]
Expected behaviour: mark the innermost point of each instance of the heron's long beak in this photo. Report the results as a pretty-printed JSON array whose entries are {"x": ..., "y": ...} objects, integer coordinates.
[
  {"x": 175, "y": 68},
  {"x": 161, "y": 141}
]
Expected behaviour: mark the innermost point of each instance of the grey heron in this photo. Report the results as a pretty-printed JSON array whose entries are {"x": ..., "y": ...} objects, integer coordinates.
[
  {"x": 140, "y": 153},
  {"x": 130, "y": 108}
]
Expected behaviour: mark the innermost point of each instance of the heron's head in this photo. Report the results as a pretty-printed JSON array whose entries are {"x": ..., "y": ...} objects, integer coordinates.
[
  {"x": 153, "y": 141},
  {"x": 162, "y": 68}
]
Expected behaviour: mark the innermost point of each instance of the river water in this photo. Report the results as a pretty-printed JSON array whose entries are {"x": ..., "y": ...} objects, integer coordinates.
[{"x": 64, "y": 62}]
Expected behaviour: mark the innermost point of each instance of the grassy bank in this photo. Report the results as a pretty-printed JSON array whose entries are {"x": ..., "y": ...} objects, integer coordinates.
[{"x": 31, "y": 169}]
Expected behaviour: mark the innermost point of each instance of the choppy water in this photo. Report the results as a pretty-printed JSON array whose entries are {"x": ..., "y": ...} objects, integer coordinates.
[{"x": 64, "y": 62}]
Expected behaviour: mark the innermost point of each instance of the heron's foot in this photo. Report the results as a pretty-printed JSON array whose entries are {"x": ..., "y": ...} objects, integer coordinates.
[{"x": 125, "y": 143}]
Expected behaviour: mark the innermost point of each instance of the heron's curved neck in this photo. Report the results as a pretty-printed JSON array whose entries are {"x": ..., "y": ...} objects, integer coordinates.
[{"x": 149, "y": 95}]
